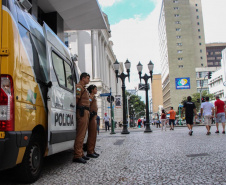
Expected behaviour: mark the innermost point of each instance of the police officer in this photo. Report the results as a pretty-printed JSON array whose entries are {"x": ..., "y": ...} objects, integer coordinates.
[
  {"x": 82, "y": 117},
  {"x": 92, "y": 127}
]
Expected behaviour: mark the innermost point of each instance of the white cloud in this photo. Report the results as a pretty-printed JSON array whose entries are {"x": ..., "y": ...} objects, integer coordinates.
[
  {"x": 105, "y": 3},
  {"x": 214, "y": 16},
  {"x": 137, "y": 40}
]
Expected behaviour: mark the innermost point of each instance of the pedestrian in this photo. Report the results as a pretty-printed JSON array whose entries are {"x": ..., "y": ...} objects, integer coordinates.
[
  {"x": 139, "y": 123},
  {"x": 172, "y": 117},
  {"x": 106, "y": 121},
  {"x": 190, "y": 110},
  {"x": 82, "y": 117},
  {"x": 98, "y": 124},
  {"x": 207, "y": 110},
  {"x": 157, "y": 123},
  {"x": 144, "y": 122},
  {"x": 219, "y": 113},
  {"x": 92, "y": 126},
  {"x": 163, "y": 119}
]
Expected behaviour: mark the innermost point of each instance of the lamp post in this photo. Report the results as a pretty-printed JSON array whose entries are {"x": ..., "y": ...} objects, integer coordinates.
[
  {"x": 123, "y": 76},
  {"x": 146, "y": 77}
]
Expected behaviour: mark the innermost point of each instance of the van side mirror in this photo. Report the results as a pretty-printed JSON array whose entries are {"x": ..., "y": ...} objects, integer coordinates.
[{"x": 49, "y": 84}]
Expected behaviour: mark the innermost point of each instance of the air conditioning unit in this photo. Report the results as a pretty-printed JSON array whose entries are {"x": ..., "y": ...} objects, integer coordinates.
[{"x": 25, "y": 4}]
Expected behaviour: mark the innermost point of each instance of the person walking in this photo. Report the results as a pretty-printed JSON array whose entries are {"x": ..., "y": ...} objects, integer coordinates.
[
  {"x": 163, "y": 119},
  {"x": 82, "y": 117},
  {"x": 92, "y": 126},
  {"x": 139, "y": 123},
  {"x": 144, "y": 122},
  {"x": 207, "y": 110},
  {"x": 106, "y": 121},
  {"x": 190, "y": 110},
  {"x": 219, "y": 113},
  {"x": 172, "y": 117},
  {"x": 98, "y": 124}
]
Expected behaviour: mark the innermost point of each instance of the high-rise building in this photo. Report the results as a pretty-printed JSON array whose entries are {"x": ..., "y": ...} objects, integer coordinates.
[
  {"x": 213, "y": 53},
  {"x": 182, "y": 48}
]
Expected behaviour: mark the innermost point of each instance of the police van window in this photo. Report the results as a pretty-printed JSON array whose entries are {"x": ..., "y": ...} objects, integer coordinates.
[
  {"x": 69, "y": 77},
  {"x": 59, "y": 68}
]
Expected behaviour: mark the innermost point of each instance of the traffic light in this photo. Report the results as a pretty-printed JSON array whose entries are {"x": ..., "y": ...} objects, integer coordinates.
[
  {"x": 198, "y": 100},
  {"x": 209, "y": 75},
  {"x": 203, "y": 99}
]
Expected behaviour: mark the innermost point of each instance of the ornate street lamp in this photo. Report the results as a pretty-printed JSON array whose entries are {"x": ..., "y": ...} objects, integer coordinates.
[
  {"x": 146, "y": 77},
  {"x": 123, "y": 76}
]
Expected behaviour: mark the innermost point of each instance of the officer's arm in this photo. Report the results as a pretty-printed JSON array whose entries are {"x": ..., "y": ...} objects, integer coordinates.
[
  {"x": 77, "y": 100},
  {"x": 201, "y": 111}
]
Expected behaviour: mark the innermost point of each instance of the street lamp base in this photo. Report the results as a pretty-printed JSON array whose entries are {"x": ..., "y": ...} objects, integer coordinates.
[
  {"x": 125, "y": 132},
  {"x": 147, "y": 129},
  {"x": 112, "y": 133}
]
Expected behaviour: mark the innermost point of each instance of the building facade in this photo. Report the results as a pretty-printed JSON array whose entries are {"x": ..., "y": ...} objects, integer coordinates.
[
  {"x": 157, "y": 98},
  {"x": 202, "y": 77},
  {"x": 217, "y": 84},
  {"x": 213, "y": 53},
  {"x": 182, "y": 48},
  {"x": 96, "y": 57}
]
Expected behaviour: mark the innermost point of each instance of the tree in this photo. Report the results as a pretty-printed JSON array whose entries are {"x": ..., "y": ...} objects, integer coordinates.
[
  {"x": 138, "y": 105},
  {"x": 196, "y": 96}
]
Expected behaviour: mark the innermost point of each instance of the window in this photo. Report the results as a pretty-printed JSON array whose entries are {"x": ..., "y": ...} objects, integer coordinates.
[
  {"x": 197, "y": 17},
  {"x": 197, "y": 23},
  {"x": 200, "y": 50},
  {"x": 219, "y": 58},
  {"x": 178, "y": 29},
  {"x": 177, "y": 22},
  {"x": 210, "y": 58},
  {"x": 176, "y": 8},
  {"x": 200, "y": 44},
  {"x": 198, "y": 30},
  {"x": 197, "y": 10},
  {"x": 201, "y": 58},
  {"x": 196, "y": 4},
  {"x": 199, "y": 37},
  {"x": 178, "y": 36},
  {"x": 180, "y": 66},
  {"x": 181, "y": 58},
  {"x": 179, "y": 51},
  {"x": 217, "y": 53},
  {"x": 179, "y": 44},
  {"x": 175, "y": 1},
  {"x": 202, "y": 65},
  {"x": 63, "y": 72},
  {"x": 176, "y": 15}
]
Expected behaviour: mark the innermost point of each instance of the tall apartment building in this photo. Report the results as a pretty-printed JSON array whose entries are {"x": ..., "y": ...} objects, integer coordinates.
[
  {"x": 182, "y": 48},
  {"x": 213, "y": 53}
]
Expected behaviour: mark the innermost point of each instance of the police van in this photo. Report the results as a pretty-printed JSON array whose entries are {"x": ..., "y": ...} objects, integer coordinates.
[{"x": 37, "y": 95}]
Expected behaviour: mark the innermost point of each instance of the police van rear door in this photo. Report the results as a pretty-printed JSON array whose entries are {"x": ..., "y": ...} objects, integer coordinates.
[{"x": 61, "y": 96}]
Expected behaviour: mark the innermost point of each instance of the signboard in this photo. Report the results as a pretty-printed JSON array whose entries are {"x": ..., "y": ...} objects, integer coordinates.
[
  {"x": 118, "y": 101},
  {"x": 182, "y": 83}
]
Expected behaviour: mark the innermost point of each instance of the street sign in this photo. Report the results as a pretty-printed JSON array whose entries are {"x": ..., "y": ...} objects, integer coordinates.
[
  {"x": 142, "y": 86},
  {"x": 105, "y": 94},
  {"x": 110, "y": 99}
]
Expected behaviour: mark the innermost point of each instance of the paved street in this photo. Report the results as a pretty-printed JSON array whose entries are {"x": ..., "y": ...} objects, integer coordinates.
[{"x": 160, "y": 157}]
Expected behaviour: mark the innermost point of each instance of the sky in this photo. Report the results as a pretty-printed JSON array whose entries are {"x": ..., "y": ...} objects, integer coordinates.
[{"x": 134, "y": 30}]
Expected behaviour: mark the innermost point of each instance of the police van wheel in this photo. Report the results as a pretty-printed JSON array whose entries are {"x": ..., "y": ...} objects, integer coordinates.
[{"x": 30, "y": 169}]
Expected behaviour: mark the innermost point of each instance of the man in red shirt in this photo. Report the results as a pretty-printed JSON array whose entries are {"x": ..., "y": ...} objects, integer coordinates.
[
  {"x": 172, "y": 114},
  {"x": 219, "y": 113}
]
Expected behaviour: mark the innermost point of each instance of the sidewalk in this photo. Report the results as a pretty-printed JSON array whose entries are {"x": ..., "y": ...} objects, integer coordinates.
[{"x": 159, "y": 157}]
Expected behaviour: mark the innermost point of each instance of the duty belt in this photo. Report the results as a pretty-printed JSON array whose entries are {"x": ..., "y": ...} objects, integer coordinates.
[
  {"x": 82, "y": 108},
  {"x": 92, "y": 114}
]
